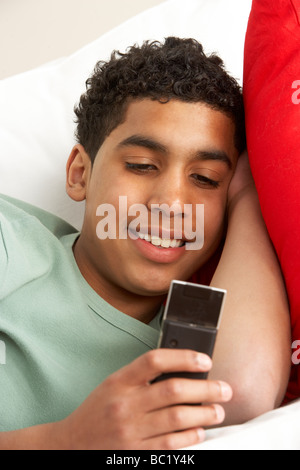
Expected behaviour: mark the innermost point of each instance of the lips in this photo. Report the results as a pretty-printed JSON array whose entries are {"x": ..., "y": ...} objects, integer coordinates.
[
  {"x": 157, "y": 248},
  {"x": 160, "y": 242}
]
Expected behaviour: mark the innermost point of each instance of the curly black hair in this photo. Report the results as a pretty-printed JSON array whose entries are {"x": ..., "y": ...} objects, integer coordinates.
[{"x": 176, "y": 69}]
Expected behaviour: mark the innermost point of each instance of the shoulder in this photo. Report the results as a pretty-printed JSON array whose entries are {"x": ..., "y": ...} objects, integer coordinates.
[
  {"x": 13, "y": 211},
  {"x": 29, "y": 243}
]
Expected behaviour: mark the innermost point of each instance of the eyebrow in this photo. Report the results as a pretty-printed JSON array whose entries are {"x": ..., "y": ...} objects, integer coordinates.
[
  {"x": 203, "y": 155},
  {"x": 216, "y": 155},
  {"x": 142, "y": 141}
]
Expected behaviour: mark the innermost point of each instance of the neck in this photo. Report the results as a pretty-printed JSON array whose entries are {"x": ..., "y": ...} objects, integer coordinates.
[{"x": 140, "y": 307}]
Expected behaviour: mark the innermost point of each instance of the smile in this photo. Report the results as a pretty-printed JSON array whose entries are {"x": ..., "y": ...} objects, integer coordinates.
[
  {"x": 160, "y": 242},
  {"x": 157, "y": 249}
]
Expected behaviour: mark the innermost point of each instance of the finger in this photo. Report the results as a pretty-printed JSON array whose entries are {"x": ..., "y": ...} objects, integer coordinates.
[
  {"x": 181, "y": 418},
  {"x": 184, "y": 391},
  {"x": 173, "y": 441},
  {"x": 154, "y": 363}
]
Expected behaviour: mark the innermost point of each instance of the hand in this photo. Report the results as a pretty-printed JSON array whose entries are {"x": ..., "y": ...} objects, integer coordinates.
[{"x": 126, "y": 412}]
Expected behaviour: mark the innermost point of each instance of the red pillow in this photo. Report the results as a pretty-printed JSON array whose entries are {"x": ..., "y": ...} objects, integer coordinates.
[{"x": 272, "y": 102}]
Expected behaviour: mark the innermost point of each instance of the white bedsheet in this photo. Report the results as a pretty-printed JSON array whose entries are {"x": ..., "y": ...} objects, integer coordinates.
[{"x": 277, "y": 430}]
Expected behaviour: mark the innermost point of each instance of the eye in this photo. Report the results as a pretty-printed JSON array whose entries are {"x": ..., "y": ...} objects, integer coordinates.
[
  {"x": 205, "y": 182},
  {"x": 140, "y": 167}
]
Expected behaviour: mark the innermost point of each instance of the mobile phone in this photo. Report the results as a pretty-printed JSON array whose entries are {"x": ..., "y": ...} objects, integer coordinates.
[{"x": 191, "y": 321}]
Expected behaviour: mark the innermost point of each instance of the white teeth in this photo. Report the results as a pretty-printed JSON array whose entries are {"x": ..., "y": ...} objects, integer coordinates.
[
  {"x": 175, "y": 243},
  {"x": 166, "y": 243},
  {"x": 163, "y": 242},
  {"x": 156, "y": 241}
]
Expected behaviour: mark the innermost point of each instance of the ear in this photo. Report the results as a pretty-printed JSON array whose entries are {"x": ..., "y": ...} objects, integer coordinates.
[{"x": 78, "y": 170}]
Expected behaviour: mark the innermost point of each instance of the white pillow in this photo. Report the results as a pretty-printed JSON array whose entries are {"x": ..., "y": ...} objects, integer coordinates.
[{"x": 36, "y": 107}]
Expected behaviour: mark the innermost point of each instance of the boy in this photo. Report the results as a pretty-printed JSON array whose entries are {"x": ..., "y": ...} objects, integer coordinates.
[{"x": 161, "y": 125}]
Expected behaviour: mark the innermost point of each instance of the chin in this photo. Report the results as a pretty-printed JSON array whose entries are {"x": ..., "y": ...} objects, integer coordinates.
[
  {"x": 151, "y": 287},
  {"x": 155, "y": 281},
  {"x": 155, "y": 286},
  {"x": 152, "y": 290}
]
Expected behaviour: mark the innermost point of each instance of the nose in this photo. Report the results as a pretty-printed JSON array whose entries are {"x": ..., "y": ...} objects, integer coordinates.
[
  {"x": 169, "y": 191},
  {"x": 168, "y": 202}
]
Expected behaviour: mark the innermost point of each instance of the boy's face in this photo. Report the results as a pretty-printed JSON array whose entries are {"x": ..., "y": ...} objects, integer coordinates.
[{"x": 175, "y": 153}]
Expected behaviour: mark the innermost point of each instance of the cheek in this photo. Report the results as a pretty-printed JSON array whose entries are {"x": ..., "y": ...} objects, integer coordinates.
[
  {"x": 109, "y": 200},
  {"x": 214, "y": 218},
  {"x": 104, "y": 188}
]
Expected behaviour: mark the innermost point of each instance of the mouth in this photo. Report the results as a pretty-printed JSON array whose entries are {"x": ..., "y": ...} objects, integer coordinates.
[
  {"x": 159, "y": 242},
  {"x": 157, "y": 248}
]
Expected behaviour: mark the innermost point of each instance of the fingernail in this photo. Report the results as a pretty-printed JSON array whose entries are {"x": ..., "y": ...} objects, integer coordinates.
[
  {"x": 226, "y": 391},
  {"x": 203, "y": 361},
  {"x": 201, "y": 434},
  {"x": 220, "y": 415}
]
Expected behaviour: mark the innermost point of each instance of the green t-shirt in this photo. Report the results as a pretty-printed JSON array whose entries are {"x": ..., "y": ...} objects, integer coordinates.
[{"x": 58, "y": 338}]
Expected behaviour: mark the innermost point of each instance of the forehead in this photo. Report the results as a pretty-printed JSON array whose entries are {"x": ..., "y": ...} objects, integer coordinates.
[
  {"x": 191, "y": 119},
  {"x": 177, "y": 126}
]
